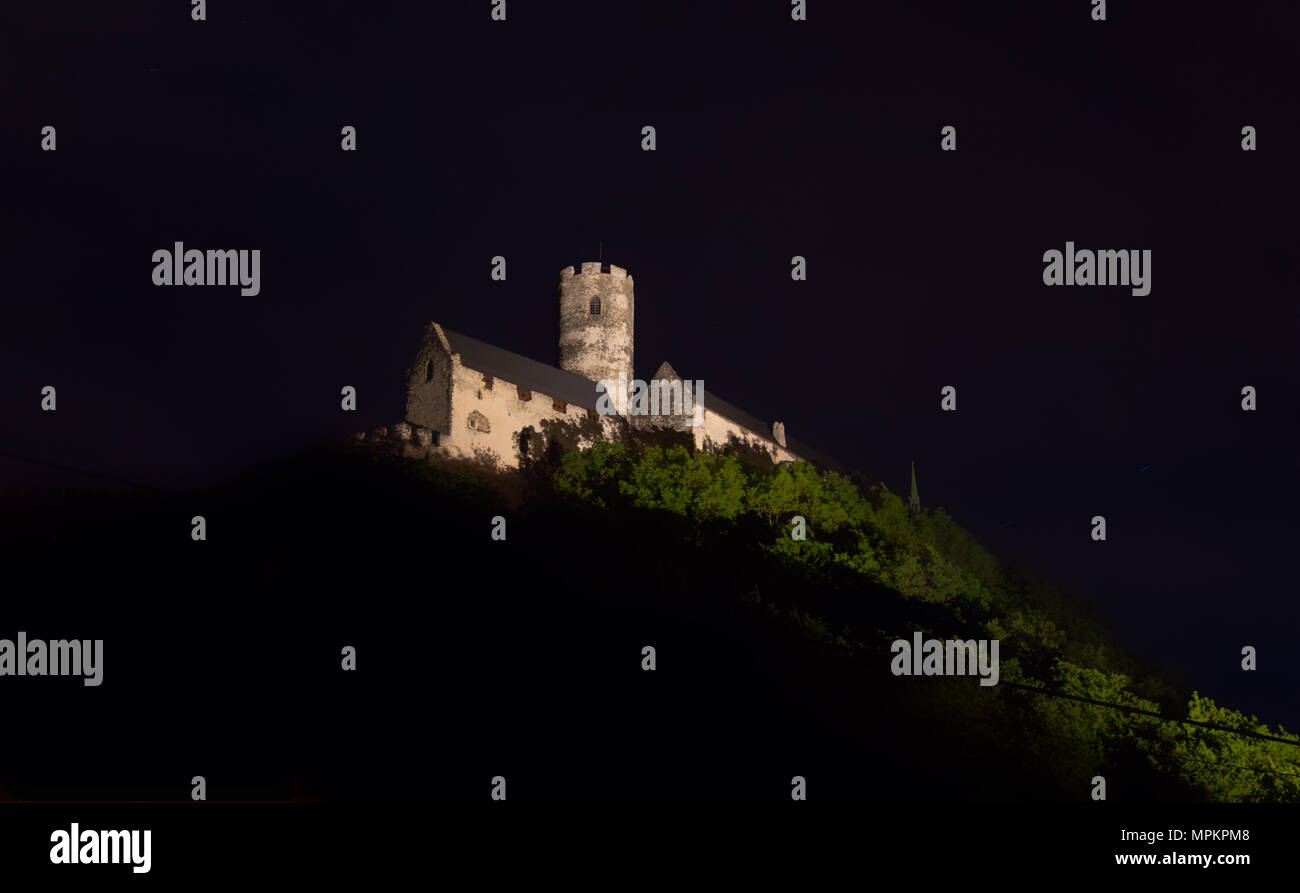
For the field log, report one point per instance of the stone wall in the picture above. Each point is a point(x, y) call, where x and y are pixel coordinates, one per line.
point(428, 388)
point(454, 410)
point(716, 431)
point(596, 347)
point(499, 410)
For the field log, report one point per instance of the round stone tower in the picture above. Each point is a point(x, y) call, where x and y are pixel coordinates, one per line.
point(596, 310)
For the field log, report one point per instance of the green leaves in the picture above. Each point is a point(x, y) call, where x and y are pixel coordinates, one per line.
point(858, 540)
point(700, 486)
point(593, 475)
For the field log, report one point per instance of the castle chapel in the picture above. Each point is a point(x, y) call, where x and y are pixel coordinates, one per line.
point(467, 398)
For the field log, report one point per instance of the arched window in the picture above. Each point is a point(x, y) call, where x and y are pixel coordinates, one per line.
point(428, 371)
point(595, 307)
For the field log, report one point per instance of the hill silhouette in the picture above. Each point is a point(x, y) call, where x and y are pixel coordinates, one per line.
point(522, 657)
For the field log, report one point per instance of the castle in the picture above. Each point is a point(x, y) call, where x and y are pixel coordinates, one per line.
point(466, 398)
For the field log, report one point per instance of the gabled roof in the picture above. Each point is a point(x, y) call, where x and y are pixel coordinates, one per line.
point(714, 404)
point(567, 386)
point(666, 373)
point(581, 391)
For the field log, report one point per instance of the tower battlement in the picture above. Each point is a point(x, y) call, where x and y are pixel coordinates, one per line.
point(590, 267)
point(466, 398)
point(597, 313)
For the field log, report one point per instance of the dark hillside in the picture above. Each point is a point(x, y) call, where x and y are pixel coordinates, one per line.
point(522, 658)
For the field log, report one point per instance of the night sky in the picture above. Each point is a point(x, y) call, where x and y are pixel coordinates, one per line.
point(775, 139)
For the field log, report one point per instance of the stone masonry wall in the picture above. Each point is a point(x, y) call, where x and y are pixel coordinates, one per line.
point(428, 390)
point(596, 347)
point(500, 408)
point(716, 430)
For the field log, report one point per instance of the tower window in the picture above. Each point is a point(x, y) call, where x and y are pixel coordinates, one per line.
point(594, 307)
point(428, 371)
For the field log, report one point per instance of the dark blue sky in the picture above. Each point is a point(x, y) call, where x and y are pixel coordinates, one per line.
point(774, 139)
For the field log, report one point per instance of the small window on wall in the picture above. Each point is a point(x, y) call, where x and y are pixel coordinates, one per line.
point(594, 307)
point(487, 382)
point(560, 406)
point(524, 393)
point(428, 371)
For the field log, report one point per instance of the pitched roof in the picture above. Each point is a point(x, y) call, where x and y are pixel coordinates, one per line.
point(581, 391)
point(666, 373)
point(499, 363)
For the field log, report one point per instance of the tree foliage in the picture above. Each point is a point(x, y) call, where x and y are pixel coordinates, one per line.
point(869, 538)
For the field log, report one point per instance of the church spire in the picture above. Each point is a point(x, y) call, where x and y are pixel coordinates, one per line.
point(914, 501)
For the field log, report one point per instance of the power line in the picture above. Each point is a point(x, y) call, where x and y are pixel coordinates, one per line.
point(1138, 710)
point(10, 454)
point(1126, 708)
point(1222, 764)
